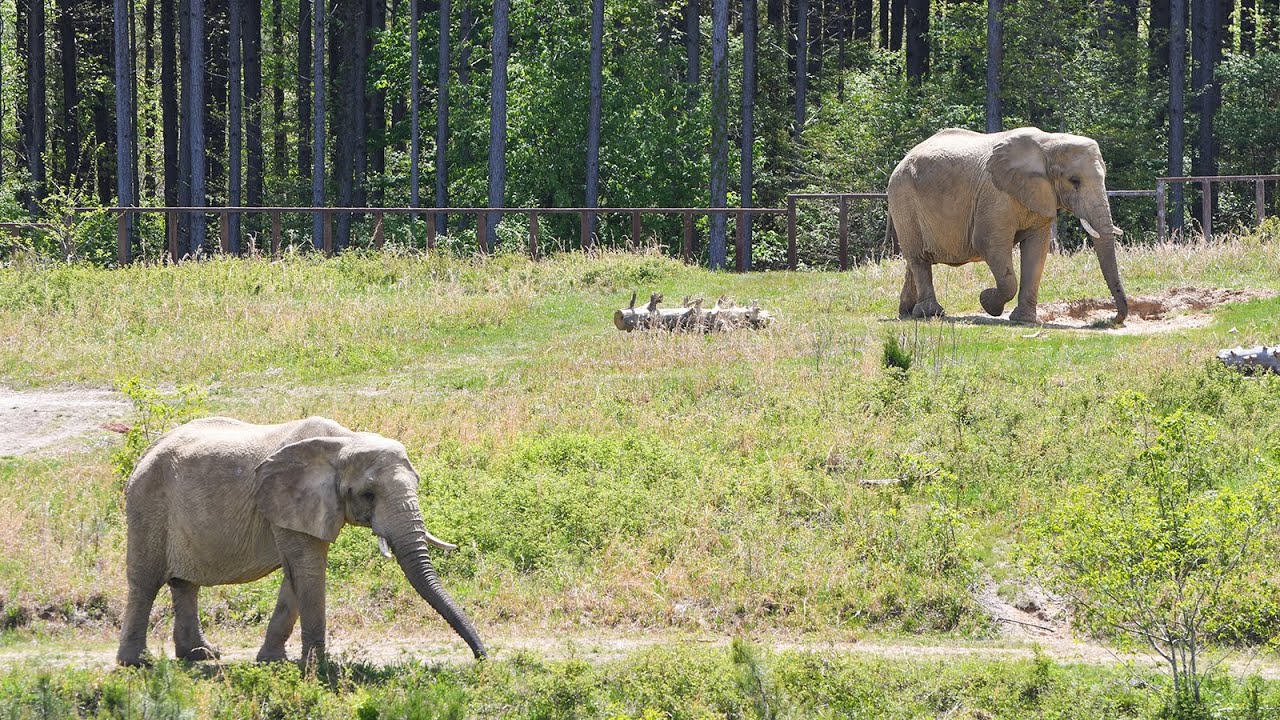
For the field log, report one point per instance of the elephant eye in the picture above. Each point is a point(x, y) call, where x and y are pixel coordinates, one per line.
point(367, 496)
point(1075, 182)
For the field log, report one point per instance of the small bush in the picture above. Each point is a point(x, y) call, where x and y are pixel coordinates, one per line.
point(155, 413)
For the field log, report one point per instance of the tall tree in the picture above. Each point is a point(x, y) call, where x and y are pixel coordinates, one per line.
point(169, 101)
point(750, 30)
point(995, 57)
point(349, 111)
point(1158, 41)
point(897, 13)
point(251, 44)
point(415, 106)
point(376, 109)
point(498, 118)
point(802, 63)
point(235, 116)
point(194, 125)
point(1204, 50)
point(103, 100)
point(442, 119)
point(1177, 107)
point(719, 129)
point(317, 121)
point(216, 77)
point(917, 40)
point(69, 132)
point(280, 133)
point(37, 100)
point(593, 109)
point(306, 111)
point(884, 24)
point(126, 159)
point(22, 9)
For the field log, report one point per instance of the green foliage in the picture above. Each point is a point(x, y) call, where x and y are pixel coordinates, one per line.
point(1152, 552)
point(894, 354)
point(155, 413)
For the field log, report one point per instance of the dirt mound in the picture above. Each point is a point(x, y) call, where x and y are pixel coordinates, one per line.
point(32, 421)
point(1173, 309)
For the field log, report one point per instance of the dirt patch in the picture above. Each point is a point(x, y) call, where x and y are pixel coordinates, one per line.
point(1033, 612)
point(38, 420)
point(1175, 309)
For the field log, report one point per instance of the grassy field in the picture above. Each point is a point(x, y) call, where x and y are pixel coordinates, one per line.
point(603, 482)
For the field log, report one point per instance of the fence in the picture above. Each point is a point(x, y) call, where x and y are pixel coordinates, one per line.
point(742, 250)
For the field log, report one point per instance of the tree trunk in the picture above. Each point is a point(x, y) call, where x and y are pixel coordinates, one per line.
point(306, 113)
point(1177, 110)
point(104, 127)
point(750, 29)
point(1204, 50)
point(862, 20)
point(376, 112)
point(69, 133)
point(317, 121)
point(442, 119)
point(498, 119)
point(194, 98)
point(775, 12)
point(884, 24)
point(897, 12)
point(917, 40)
point(126, 160)
point(802, 64)
point(719, 129)
point(1158, 42)
point(348, 109)
point(37, 102)
point(251, 44)
point(169, 100)
point(995, 57)
point(468, 23)
point(147, 119)
point(692, 36)
point(215, 78)
point(235, 117)
point(593, 110)
point(22, 10)
point(279, 134)
point(415, 103)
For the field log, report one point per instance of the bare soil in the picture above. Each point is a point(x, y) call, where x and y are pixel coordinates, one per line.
point(38, 421)
point(1168, 311)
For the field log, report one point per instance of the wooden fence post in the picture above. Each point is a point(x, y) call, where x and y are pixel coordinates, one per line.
point(431, 231)
point(1260, 200)
point(635, 230)
point(793, 254)
point(586, 231)
point(533, 235)
point(844, 233)
point(687, 251)
point(1206, 209)
point(482, 233)
point(326, 216)
point(379, 235)
point(122, 238)
point(740, 243)
point(171, 217)
point(224, 228)
point(1162, 223)
point(275, 234)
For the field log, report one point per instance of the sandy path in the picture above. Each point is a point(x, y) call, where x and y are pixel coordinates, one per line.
point(31, 421)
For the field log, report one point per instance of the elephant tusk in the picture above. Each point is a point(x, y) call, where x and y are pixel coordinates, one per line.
point(383, 547)
point(1088, 228)
point(438, 542)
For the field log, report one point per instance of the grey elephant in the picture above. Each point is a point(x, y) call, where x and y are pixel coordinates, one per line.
point(961, 197)
point(219, 501)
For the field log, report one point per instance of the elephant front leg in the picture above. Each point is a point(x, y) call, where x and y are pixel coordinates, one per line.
point(281, 625)
point(993, 299)
point(1035, 249)
point(304, 559)
point(188, 639)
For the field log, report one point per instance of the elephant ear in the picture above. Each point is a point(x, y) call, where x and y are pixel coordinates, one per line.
point(296, 487)
point(1020, 168)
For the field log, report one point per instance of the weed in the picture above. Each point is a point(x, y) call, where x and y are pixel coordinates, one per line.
point(155, 413)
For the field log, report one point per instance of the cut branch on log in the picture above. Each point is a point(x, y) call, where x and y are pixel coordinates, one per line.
point(724, 315)
point(1254, 359)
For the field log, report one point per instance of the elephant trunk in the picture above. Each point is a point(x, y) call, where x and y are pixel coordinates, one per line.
point(410, 548)
point(1104, 232)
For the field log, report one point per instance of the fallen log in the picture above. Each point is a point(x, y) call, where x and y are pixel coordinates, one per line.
point(1254, 359)
point(690, 316)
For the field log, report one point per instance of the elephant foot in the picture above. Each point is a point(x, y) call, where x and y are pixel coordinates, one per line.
point(139, 660)
point(927, 309)
point(991, 302)
point(200, 653)
point(271, 655)
point(1023, 315)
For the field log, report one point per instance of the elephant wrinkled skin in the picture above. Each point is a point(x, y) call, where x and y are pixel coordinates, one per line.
point(219, 501)
point(962, 197)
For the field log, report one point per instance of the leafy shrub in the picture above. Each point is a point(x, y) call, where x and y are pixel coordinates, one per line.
point(155, 413)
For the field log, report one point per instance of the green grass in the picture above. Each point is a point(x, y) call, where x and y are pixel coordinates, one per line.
point(602, 480)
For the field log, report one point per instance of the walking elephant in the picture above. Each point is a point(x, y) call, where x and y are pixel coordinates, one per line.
point(219, 501)
point(961, 197)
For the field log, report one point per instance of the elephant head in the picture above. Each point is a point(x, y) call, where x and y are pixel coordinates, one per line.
point(1047, 171)
point(316, 486)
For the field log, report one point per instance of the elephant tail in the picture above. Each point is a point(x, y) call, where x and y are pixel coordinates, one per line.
point(891, 235)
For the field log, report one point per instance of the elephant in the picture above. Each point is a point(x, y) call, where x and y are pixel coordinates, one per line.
point(219, 501)
point(962, 196)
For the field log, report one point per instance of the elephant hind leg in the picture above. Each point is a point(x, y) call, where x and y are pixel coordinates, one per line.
point(188, 640)
point(137, 615)
point(907, 300)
